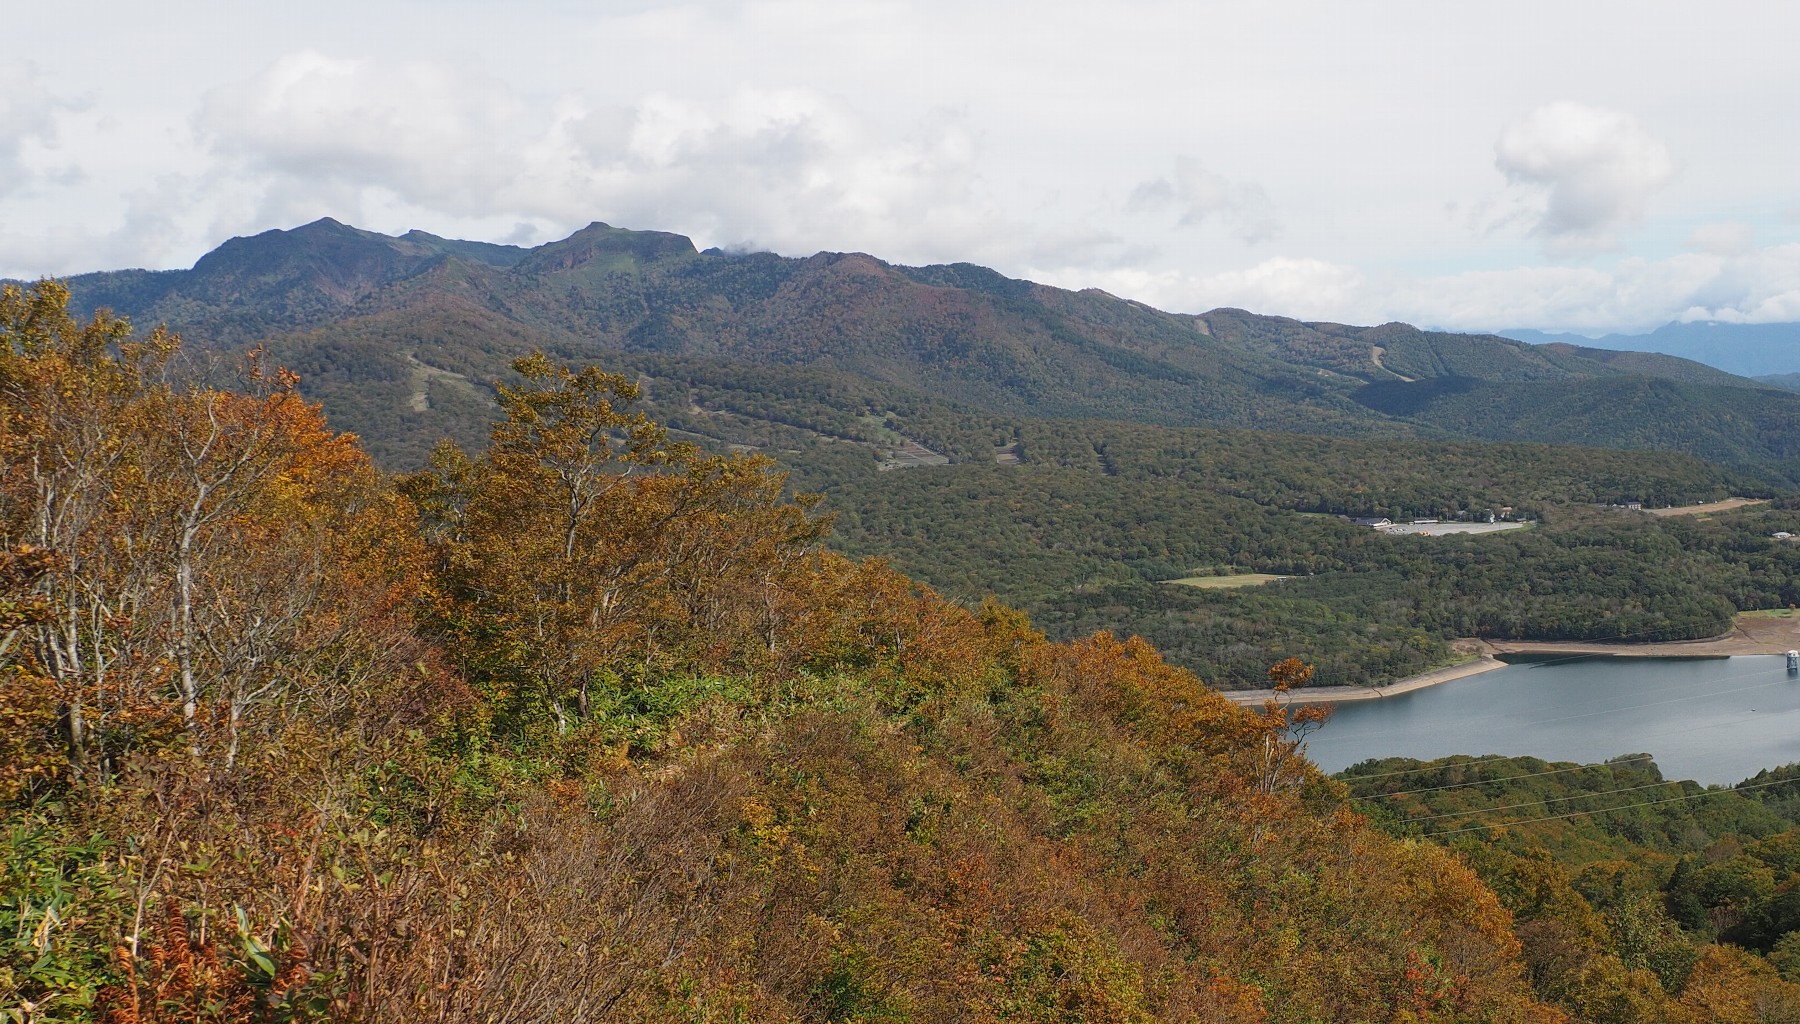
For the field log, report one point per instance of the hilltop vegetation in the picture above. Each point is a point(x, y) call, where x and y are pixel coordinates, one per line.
point(1627, 890)
point(1729, 426)
point(587, 726)
point(590, 725)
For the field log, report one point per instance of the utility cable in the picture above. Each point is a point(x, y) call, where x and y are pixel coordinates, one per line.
point(1685, 687)
point(1686, 729)
point(1509, 778)
point(1534, 803)
point(1622, 807)
point(1430, 768)
point(1671, 700)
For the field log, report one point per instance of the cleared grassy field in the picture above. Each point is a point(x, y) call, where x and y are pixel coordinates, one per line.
point(1717, 506)
point(1248, 579)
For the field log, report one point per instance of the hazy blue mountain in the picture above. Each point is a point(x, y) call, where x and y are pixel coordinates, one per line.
point(1752, 350)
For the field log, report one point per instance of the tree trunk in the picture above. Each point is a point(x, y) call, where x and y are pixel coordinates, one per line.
point(184, 637)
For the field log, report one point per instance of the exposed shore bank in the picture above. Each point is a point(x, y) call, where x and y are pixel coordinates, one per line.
point(1752, 634)
point(1341, 694)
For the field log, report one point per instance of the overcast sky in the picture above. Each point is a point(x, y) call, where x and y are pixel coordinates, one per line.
point(1587, 166)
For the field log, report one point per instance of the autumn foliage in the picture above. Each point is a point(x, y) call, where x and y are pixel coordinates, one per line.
point(586, 726)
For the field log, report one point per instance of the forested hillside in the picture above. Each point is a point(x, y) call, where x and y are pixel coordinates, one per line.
point(1627, 889)
point(590, 725)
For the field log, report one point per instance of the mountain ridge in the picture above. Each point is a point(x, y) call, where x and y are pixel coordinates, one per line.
point(320, 294)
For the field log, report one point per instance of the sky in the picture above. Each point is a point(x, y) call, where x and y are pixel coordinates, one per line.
point(1590, 167)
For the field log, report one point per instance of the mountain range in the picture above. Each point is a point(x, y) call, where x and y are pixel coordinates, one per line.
point(401, 336)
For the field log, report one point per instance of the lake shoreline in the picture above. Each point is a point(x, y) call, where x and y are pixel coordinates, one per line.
point(1750, 634)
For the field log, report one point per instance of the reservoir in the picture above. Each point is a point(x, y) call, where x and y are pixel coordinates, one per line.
point(1713, 720)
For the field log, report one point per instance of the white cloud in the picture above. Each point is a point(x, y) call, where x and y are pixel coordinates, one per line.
point(1590, 173)
point(1306, 289)
point(28, 118)
point(798, 125)
point(1728, 238)
point(1636, 295)
point(1754, 286)
point(1302, 288)
point(1760, 286)
point(1199, 195)
point(312, 125)
point(789, 169)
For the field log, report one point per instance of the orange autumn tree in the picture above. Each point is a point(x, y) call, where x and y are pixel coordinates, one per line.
point(76, 402)
point(935, 812)
point(1285, 726)
point(585, 547)
point(193, 541)
point(205, 639)
point(263, 502)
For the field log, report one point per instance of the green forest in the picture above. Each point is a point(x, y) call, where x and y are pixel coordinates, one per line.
point(1097, 447)
point(401, 337)
point(1087, 539)
point(1626, 889)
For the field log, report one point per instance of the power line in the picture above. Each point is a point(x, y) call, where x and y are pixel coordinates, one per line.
point(1605, 810)
point(1680, 730)
point(1535, 803)
point(1430, 768)
point(1671, 700)
point(1509, 778)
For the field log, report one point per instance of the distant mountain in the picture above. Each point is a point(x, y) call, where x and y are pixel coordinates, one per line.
point(401, 337)
point(1752, 350)
point(1401, 352)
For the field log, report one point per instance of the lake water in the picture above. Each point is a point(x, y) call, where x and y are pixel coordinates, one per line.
point(1713, 720)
